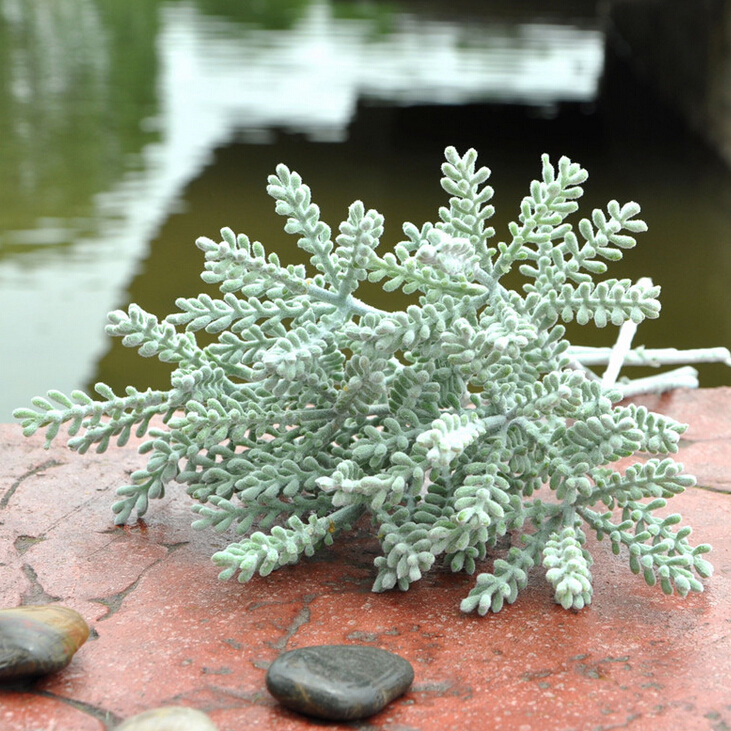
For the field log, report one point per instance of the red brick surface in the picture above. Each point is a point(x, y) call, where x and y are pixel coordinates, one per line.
point(166, 631)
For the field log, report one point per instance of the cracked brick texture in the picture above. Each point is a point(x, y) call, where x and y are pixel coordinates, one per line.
point(166, 631)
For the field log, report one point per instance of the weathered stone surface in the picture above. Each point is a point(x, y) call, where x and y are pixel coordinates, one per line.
point(170, 632)
point(36, 640)
point(338, 682)
point(169, 718)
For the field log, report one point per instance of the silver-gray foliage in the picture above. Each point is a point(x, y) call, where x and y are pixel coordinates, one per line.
point(441, 422)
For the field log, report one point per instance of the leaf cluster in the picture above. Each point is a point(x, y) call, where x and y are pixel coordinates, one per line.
point(456, 425)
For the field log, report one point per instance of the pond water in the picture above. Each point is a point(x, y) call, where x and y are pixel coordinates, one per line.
point(129, 129)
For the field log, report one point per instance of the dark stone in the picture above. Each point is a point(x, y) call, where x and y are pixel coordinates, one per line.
point(35, 640)
point(338, 682)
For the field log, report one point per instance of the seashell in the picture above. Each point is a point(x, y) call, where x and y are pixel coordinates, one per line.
point(36, 640)
point(169, 718)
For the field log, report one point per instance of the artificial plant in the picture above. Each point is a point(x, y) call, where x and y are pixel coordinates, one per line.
point(440, 422)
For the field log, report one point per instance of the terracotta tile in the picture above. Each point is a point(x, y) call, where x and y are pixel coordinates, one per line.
point(165, 630)
point(706, 411)
point(21, 711)
point(706, 442)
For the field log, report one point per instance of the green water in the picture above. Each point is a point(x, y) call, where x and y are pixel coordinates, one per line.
point(103, 189)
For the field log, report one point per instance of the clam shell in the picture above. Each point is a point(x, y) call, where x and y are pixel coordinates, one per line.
point(36, 640)
point(169, 718)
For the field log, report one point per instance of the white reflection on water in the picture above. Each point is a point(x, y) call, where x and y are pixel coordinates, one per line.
point(310, 79)
point(216, 80)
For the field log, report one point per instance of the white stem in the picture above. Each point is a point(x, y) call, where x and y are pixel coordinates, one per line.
point(623, 344)
point(642, 356)
point(619, 353)
point(686, 377)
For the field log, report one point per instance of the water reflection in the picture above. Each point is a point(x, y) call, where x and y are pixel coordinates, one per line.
point(109, 109)
point(120, 122)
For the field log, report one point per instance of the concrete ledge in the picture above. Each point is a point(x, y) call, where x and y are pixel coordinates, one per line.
point(166, 631)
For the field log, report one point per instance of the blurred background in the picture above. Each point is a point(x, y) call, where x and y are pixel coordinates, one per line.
point(128, 129)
